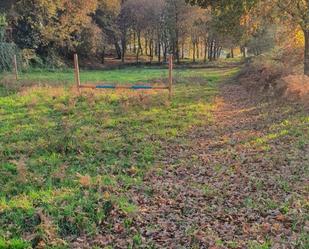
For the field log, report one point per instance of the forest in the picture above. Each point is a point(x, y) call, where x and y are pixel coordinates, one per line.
point(154, 124)
point(49, 32)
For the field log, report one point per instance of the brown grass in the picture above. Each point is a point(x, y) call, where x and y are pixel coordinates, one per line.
point(297, 88)
point(21, 170)
point(48, 232)
point(84, 180)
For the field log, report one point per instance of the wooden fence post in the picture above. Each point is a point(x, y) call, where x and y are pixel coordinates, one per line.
point(76, 69)
point(15, 67)
point(170, 76)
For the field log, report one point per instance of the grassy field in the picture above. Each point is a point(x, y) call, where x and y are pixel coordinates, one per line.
point(126, 75)
point(68, 160)
point(76, 169)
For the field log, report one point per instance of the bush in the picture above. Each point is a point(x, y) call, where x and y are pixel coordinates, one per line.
point(54, 61)
point(278, 74)
point(91, 41)
point(7, 49)
point(262, 73)
point(29, 57)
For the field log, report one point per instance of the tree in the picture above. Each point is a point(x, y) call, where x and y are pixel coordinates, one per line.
point(137, 19)
point(106, 17)
point(45, 25)
point(177, 15)
point(298, 11)
point(91, 42)
point(154, 27)
point(199, 29)
point(262, 40)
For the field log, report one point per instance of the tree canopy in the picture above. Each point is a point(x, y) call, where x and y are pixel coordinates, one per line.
point(195, 29)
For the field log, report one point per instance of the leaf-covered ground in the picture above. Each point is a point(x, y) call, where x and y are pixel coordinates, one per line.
point(239, 181)
point(128, 170)
point(242, 182)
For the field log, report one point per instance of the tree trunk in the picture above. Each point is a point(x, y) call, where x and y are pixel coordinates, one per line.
point(205, 51)
point(232, 52)
point(151, 50)
point(146, 47)
point(219, 52)
point(118, 50)
point(244, 52)
point(182, 50)
point(137, 56)
point(138, 46)
point(210, 51)
point(177, 38)
point(155, 48)
point(134, 42)
point(124, 47)
point(159, 51)
point(173, 48)
point(197, 49)
point(165, 52)
point(176, 48)
point(103, 55)
point(194, 51)
point(306, 63)
point(130, 42)
point(215, 52)
point(139, 43)
point(123, 54)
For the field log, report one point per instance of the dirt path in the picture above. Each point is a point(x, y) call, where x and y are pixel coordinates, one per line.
point(227, 188)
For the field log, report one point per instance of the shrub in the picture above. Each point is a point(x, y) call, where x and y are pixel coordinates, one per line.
point(262, 73)
point(53, 60)
point(91, 41)
point(7, 49)
point(278, 74)
point(29, 57)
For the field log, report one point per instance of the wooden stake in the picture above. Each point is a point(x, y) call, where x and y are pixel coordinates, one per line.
point(170, 76)
point(77, 77)
point(15, 67)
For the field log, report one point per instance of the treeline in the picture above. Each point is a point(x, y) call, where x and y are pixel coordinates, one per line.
point(254, 19)
point(51, 31)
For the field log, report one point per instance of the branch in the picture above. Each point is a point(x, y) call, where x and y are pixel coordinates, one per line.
point(297, 17)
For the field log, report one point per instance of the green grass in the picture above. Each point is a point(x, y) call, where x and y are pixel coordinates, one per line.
point(67, 161)
point(127, 75)
point(256, 245)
